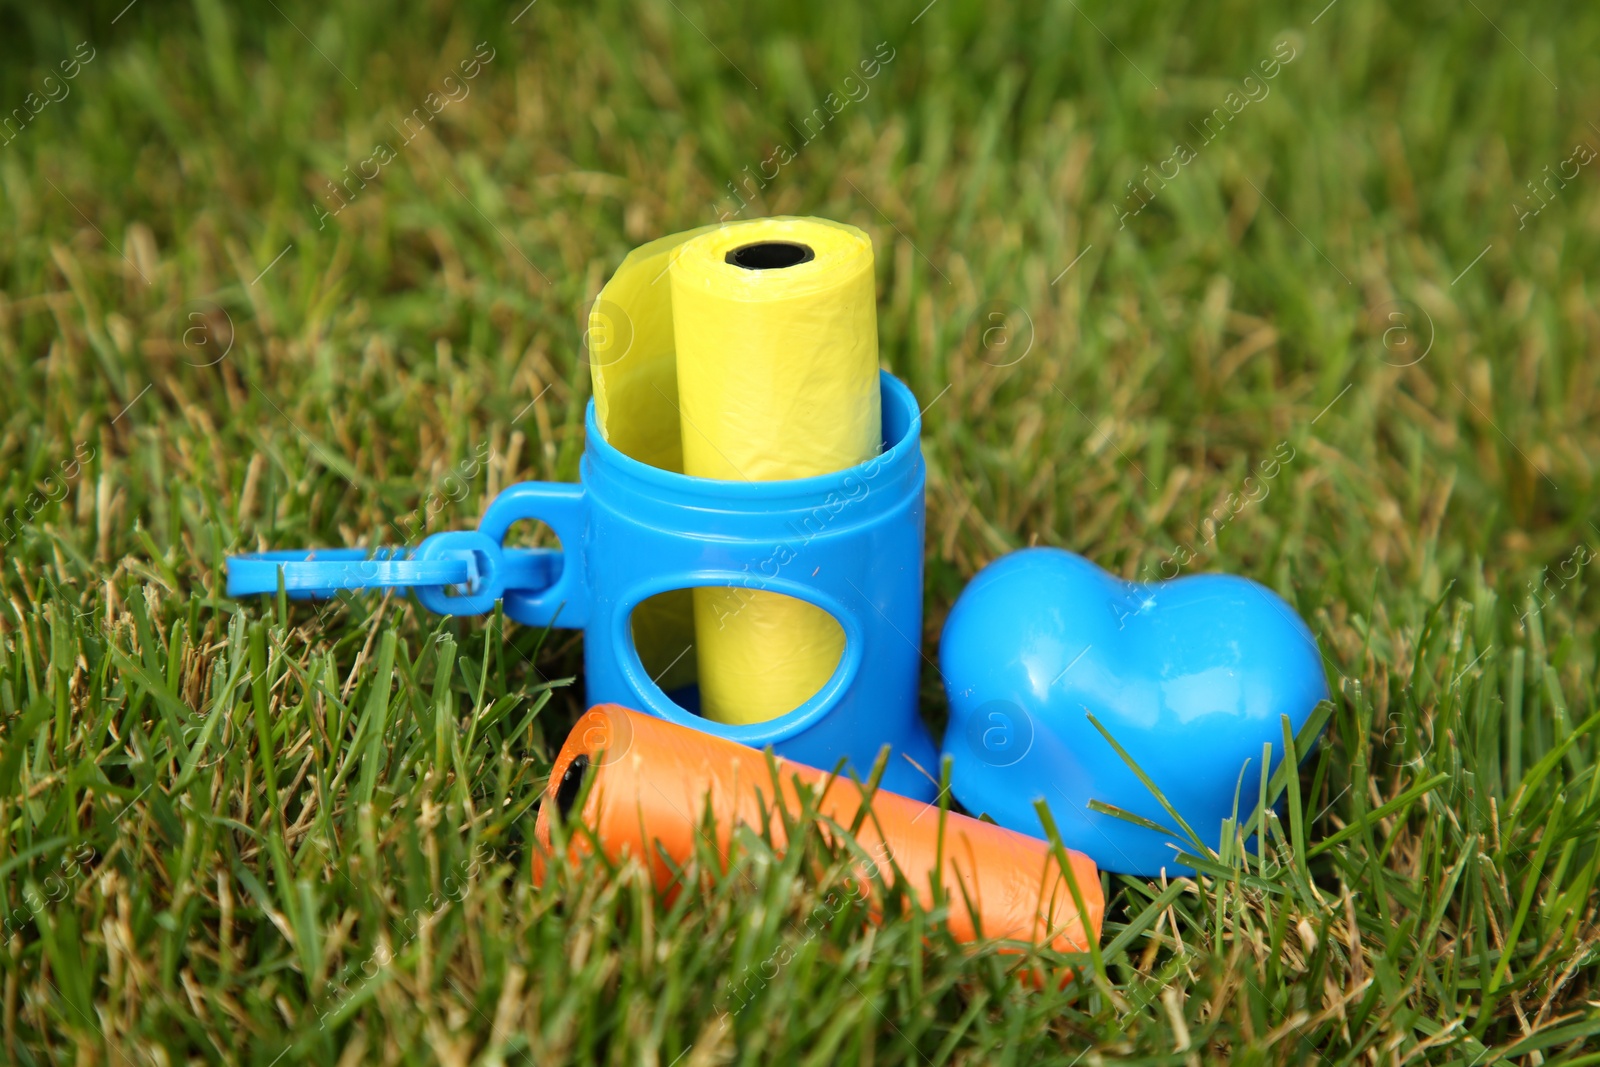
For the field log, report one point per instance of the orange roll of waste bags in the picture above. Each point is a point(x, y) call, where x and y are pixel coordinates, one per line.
point(653, 779)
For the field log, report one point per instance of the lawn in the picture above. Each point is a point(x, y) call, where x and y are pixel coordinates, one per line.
point(317, 273)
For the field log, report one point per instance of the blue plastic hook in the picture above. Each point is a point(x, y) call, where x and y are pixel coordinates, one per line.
point(478, 567)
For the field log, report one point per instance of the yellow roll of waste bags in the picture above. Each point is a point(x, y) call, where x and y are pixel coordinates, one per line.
point(744, 352)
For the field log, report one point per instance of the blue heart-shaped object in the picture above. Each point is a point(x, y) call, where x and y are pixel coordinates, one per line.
point(1190, 676)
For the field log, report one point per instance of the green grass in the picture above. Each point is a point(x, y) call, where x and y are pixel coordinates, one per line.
point(250, 834)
